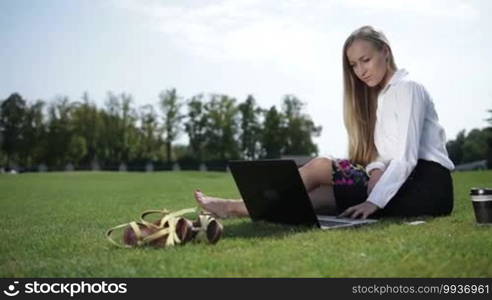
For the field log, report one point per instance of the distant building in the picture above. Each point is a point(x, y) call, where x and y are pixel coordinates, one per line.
point(475, 165)
point(69, 167)
point(149, 167)
point(123, 167)
point(95, 165)
point(42, 168)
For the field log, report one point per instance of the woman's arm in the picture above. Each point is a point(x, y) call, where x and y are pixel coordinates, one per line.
point(404, 148)
point(374, 176)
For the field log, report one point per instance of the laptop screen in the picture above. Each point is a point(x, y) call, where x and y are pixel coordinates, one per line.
point(273, 191)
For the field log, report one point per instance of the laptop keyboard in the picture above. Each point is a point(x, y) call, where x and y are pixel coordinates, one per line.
point(331, 223)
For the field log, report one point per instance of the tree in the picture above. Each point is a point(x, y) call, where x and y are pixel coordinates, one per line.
point(88, 124)
point(475, 145)
point(273, 134)
point(299, 129)
point(150, 134)
point(489, 147)
point(62, 131)
point(59, 131)
point(118, 140)
point(455, 148)
point(221, 132)
point(34, 133)
point(489, 141)
point(196, 125)
point(77, 149)
point(12, 116)
point(128, 132)
point(250, 128)
point(170, 105)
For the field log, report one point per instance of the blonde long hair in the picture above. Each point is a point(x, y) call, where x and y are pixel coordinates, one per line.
point(360, 100)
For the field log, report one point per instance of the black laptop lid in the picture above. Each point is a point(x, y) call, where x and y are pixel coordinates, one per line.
point(273, 191)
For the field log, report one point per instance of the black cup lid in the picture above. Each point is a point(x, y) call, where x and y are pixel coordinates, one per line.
point(480, 191)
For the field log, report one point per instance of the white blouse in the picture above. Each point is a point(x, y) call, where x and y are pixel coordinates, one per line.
point(407, 129)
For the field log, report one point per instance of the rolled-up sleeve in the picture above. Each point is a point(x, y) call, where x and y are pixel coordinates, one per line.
point(377, 164)
point(410, 115)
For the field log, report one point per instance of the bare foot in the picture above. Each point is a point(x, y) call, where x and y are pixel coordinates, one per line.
point(222, 208)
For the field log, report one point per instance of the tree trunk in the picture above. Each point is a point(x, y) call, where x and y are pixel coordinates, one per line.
point(168, 149)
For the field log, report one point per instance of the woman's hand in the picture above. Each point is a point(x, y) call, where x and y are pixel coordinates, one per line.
point(364, 210)
point(373, 179)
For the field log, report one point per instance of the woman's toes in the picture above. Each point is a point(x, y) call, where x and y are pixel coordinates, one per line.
point(198, 195)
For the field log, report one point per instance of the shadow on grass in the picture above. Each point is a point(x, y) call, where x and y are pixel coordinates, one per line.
point(245, 228)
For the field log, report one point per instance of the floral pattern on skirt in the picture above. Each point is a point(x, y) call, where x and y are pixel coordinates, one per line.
point(346, 173)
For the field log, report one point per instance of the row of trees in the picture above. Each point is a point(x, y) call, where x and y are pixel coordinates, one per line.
point(218, 128)
point(474, 146)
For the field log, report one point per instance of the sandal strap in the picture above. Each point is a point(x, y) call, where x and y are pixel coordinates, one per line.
point(170, 231)
point(110, 238)
point(202, 230)
point(171, 218)
point(166, 215)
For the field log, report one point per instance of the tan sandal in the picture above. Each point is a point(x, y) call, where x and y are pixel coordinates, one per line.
point(169, 230)
point(207, 229)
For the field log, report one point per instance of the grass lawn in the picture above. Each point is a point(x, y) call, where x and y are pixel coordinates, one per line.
point(53, 224)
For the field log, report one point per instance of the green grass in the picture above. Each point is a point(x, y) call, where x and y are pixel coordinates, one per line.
point(53, 224)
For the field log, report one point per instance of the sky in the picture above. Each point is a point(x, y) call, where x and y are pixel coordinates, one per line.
point(264, 48)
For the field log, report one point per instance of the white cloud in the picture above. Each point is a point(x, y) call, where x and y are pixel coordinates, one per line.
point(458, 9)
point(274, 32)
point(248, 31)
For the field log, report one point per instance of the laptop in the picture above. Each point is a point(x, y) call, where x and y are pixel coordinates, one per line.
point(273, 191)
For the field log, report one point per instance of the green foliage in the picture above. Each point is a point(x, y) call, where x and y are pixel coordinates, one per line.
point(88, 124)
point(474, 146)
point(80, 133)
point(250, 128)
point(221, 132)
point(33, 134)
point(299, 129)
point(273, 136)
point(73, 210)
point(77, 148)
point(59, 132)
point(150, 142)
point(12, 118)
point(171, 105)
point(118, 138)
point(455, 148)
point(196, 126)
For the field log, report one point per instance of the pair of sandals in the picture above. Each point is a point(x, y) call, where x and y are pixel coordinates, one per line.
point(170, 229)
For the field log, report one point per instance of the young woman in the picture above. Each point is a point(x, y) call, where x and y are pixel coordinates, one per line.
point(398, 165)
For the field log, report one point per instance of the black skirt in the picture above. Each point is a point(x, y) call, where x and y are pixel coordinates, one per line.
point(428, 190)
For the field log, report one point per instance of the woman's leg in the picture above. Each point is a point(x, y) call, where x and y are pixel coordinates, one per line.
point(323, 200)
point(318, 180)
point(315, 174)
point(222, 208)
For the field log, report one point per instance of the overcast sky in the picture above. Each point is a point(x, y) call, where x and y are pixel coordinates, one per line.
point(267, 48)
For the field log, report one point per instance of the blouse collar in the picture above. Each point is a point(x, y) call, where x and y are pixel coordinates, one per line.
point(397, 77)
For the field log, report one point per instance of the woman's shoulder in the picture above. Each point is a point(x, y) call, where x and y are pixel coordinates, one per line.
point(408, 84)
